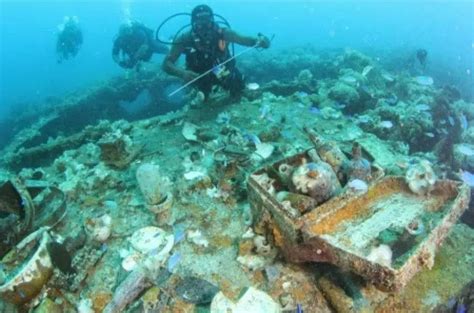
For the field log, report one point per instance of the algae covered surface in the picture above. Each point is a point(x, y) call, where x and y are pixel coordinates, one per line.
point(202, 155)
point(430, 289)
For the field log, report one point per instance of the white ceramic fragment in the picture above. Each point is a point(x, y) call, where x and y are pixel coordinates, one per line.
point(148, 239)
point(264, 151)
point(253, 301)
point(189, 131)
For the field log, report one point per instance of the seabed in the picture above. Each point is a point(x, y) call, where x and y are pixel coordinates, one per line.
point(205, 152)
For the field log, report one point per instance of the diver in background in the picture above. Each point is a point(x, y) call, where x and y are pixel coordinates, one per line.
point(205, 46)
point(416, 63)
point(69, 38)
point(421, 55)
point(135, 43)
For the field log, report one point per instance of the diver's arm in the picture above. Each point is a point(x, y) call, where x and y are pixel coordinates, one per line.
point(232, 36)
point(142, 36)
point(169, 63)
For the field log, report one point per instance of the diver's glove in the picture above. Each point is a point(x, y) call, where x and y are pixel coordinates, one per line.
point(263, 41)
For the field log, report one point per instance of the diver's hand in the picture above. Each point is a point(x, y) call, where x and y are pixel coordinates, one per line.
point(263, 41)
point(188, 76)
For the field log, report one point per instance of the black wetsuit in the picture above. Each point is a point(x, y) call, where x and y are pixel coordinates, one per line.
point(69, 41)
point(203, 57)
point(130, 43)
point(200, 59)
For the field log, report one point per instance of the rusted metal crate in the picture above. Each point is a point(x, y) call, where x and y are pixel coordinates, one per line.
point(345, 229)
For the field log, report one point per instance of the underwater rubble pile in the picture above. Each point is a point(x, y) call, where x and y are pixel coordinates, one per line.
point(319, 191)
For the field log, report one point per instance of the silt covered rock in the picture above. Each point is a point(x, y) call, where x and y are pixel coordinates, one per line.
point(344, 94)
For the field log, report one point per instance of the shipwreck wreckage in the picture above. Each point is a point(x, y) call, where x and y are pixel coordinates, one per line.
point(315, 234)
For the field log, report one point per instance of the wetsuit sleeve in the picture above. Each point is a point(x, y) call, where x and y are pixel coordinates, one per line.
point(232, 36)
point(169, 63)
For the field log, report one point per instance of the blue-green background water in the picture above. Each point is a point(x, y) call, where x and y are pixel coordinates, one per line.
point(29, 72)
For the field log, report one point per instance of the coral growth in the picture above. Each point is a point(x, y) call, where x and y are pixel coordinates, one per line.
point(316, 180)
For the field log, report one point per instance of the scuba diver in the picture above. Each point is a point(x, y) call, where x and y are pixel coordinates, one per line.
point(206, 45)
point(69, 38)
point(421, 55)
point(134, 44)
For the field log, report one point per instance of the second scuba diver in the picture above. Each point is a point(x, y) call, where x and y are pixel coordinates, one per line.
point(69, 39)
point(205, 47)
point(134, 44)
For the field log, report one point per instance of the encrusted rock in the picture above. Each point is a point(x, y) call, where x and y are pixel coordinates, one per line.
point(316, 180)
point(152, 183)
point(196, 290)
point(116, 149)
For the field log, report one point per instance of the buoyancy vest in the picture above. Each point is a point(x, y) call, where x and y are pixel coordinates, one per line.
point(206, 53)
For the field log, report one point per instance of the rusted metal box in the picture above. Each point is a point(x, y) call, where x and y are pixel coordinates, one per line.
point(348, 229)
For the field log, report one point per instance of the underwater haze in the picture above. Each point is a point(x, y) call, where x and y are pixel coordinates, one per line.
point(30, 73)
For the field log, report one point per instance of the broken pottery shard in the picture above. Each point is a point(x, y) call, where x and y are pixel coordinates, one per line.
point(196, 290)
point(252, 301)
point(264, 150)
point(189, 131)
